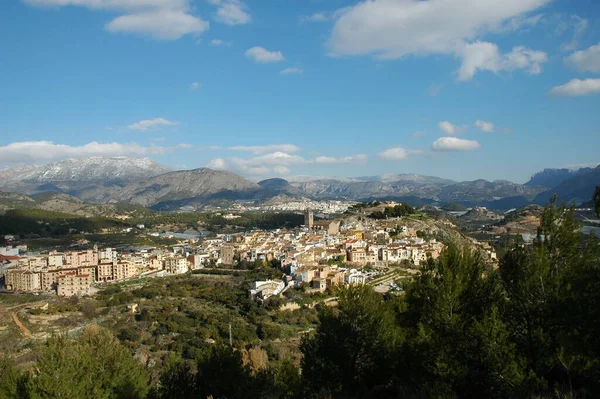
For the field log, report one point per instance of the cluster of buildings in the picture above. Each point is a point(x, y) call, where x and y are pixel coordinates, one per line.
point(320, 254)
point(75, 272)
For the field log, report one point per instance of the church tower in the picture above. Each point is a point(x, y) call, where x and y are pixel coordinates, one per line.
point(308, 218)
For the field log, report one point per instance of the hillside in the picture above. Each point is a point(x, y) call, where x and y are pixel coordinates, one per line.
point(553, 177)
point(579, 188)
point(520, 221)
point(187, 187)
point(480, 191)
point(276, 186)
point(64, 203)
point(94, 179)
point(147, 183)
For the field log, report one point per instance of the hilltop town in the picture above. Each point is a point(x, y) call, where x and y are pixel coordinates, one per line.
point(353, 249)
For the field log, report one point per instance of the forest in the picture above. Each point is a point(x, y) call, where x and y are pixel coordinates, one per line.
point(528, 329)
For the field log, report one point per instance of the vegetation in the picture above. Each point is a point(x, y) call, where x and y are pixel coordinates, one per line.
point(452, 207)
point(48, 223)
point(393, 212)
point(531, 328)
point(363, 205)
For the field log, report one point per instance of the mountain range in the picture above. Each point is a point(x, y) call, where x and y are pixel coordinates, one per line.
point(144, 182)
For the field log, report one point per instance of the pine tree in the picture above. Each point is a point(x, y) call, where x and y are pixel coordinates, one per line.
point(351, 353)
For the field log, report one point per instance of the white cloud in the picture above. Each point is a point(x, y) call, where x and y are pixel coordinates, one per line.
point(263, 164)
point(434, 90)
point(486, 56)
point(316, 17)
point(579, 26)
point(576, 166)
point(419, 133)
point(395, 154)
point(262, 149)
point(521, 23)
point(219, 42)
point(281, 170)
point(585, 60)
point(454, 144)
point(262, 55)
point(577, 87)
point(289, 71)
point(218, 163)
point(215, 147)
point(36, 151)
point(484, 126)
point(231, 12)
point(450, 128)
point(278, 162)
point(398, 154)
point(160, 19)
point(150, 123)
point(391, 29)
point(195, 85)
point(359, 158)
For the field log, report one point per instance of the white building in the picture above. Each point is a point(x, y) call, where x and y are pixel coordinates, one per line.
point(176, 265)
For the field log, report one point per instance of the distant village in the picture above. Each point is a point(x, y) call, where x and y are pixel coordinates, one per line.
point(321, 254)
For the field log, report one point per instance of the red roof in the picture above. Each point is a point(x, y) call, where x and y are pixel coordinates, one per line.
point(3, 258)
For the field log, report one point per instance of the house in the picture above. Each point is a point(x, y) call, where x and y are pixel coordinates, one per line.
point(196, 261)
point(332, 227)
point(262, 290)
point(227, 254)
point(176, 265)
point(23, 280)
point(357, 256)
point(9, 251)
point(8, 262)
point(319, 284)
point(356, 278)
point(71, 284)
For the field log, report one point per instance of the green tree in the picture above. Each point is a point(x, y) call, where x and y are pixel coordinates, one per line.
point(88, 308)
point(278, 381)
point(458, 343)
point(553, 295)
point(222, 374)
point(93, 366)
point(177, 381)
point(11, 380)
point(351, 353)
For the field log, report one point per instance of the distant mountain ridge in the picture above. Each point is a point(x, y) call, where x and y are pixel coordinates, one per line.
point(553, 177)
point(86, 169)
point(187, 187)
point(145, 182)
point(579, 188)
point(93, 179)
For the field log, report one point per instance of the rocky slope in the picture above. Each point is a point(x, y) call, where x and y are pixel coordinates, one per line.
point(276, 187)
point(553, 177)
point(95, 178)
point(579, 188)
point(144, 182)
point(187, 187)
point(58, 202)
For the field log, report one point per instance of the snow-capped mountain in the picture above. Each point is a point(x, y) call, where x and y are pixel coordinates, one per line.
point(122, 169)
point(92, 179)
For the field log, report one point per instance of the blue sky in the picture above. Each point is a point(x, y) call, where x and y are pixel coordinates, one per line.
point(269, 88)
